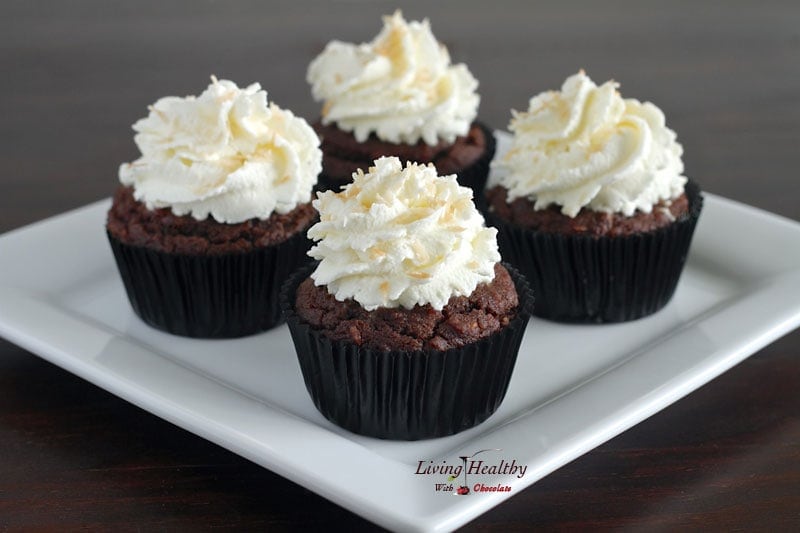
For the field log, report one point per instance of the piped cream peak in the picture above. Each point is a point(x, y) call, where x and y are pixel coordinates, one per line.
point(401, 236)
point(586, 146)
point(400, 87)
point(227, 154)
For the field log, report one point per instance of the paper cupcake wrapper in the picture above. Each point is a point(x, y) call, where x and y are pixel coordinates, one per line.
point(211, 296)
point(600, 279)
point(473, 176)
point(406, 395)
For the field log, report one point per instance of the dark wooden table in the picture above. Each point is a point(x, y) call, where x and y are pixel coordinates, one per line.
point(77, 74)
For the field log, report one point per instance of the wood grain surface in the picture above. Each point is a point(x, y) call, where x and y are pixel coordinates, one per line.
point(76, 75)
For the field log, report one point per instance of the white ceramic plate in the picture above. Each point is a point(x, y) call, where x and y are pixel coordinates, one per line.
point(574, 387)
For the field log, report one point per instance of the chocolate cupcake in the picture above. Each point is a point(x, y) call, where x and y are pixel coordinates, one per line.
point(408, 327)
point(591, 203)
point(398, 96)
point(211, 219)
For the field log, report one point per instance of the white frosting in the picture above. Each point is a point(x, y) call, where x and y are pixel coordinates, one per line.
point(225, 153)
point(586, 146)
point(401, 86)
point(401, 237)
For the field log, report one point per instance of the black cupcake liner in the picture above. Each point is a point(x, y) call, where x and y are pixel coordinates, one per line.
point(210, 296)
point(474, 176)
point(578, 278)
point(406, 395)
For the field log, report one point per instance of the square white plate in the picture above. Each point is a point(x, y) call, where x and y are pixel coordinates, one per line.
point(574, 387)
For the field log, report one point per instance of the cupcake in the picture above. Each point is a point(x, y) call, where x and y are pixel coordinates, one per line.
point(211, 219)
point(408, 327)
point(398, 95)
point(592, 205)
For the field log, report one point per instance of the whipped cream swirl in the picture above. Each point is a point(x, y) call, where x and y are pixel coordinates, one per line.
point(226, 153)
point(401, 237)
point(586, 146)
point(401, 86)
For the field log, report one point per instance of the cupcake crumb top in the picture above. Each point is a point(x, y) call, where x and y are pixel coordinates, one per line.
point(464, 320)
